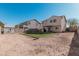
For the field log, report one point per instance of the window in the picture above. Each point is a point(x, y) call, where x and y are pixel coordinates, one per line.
point(25, 27)
point(50, 21)
point(27, 23)
point(56, 28)
point(54, 20)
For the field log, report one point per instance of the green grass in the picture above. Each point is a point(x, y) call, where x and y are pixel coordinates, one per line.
point(39, 35)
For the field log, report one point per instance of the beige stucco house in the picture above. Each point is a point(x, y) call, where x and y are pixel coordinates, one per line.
point(54, 24)
point(31, 24)
point(9, 30)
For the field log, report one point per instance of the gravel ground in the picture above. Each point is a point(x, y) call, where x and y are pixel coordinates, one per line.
point(20, 45)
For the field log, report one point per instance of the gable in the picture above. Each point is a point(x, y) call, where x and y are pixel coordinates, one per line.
point(54, 17)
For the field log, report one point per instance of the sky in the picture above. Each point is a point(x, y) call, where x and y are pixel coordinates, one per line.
point(14, 13)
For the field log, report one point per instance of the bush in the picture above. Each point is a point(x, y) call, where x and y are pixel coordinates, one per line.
point(34, 31)
point(71, 29)
point(67, 30)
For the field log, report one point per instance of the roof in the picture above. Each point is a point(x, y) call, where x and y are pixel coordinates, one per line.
point(29, 21)
point(54, 16)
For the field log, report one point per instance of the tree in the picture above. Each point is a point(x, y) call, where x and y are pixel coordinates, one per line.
point(1, 24)
point(73, 23)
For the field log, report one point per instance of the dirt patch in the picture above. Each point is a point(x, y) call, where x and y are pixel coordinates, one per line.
point(56, 45)
point(20, 45)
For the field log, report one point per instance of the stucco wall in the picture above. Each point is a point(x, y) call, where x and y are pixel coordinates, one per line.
point(60, 23)
point(48, 23)
point(63, 24)
point(34, 25)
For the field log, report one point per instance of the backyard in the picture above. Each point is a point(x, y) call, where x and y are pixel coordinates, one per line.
point(54, 44)
point(40, 35)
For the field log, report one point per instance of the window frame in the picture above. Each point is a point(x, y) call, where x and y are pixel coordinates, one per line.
point(54, 20)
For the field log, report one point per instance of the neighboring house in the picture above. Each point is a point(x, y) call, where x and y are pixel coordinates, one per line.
point(31, 24)
point(9, 29)
point(54, 24)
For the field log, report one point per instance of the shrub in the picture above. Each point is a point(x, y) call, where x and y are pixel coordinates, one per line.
point(33, 31)
point(67, 30)
point(71, 29)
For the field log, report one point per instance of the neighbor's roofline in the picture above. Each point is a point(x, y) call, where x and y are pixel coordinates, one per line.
point(29, 21)
point(54, 16)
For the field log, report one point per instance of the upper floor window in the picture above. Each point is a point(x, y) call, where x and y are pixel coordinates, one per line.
point(54, 20)
point(28, 23)
point(50, 21)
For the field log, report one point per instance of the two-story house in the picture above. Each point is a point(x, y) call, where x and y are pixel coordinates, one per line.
point(54, 24)
point(31, 24)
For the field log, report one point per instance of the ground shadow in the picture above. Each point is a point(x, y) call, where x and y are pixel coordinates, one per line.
point(74, 47)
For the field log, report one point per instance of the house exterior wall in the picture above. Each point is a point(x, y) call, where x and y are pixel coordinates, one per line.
point(50, 21)
point(63, 24)
point(52, 29)
point(57, 23)
point(56, 29)
point(32, 24)
point(9, 30)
